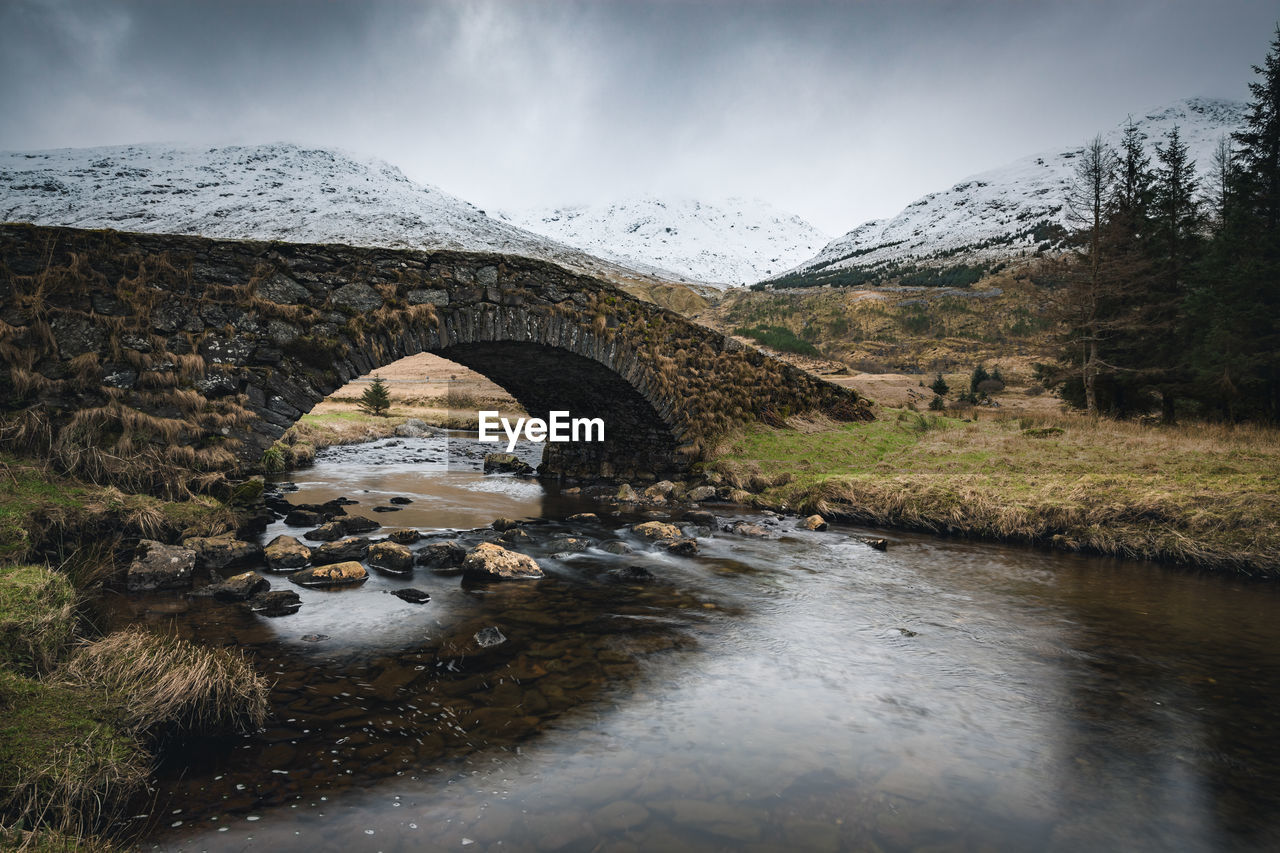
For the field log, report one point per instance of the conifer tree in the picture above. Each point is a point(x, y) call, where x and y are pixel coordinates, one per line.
point(376, 400)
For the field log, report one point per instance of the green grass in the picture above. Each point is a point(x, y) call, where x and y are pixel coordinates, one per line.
point(63, 762)
point(777, 337)
point(41, 511)
point(37, 618)
point(1202, 495)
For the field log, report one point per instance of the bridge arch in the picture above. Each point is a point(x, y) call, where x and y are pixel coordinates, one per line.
point(198, 354)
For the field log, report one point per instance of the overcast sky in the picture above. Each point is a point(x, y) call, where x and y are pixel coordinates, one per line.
point(839, 112)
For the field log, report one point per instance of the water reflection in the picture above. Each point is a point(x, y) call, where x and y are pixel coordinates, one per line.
point(802, 693)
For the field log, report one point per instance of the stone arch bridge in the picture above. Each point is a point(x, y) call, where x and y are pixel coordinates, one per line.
point(182, 357)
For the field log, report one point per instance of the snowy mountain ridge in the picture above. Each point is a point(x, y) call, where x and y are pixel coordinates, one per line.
point(265, 192)
point(996, 214)
point(733, 241)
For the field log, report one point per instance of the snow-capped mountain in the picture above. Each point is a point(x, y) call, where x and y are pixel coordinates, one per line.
point(735, 241)
point(265, 192)
point(996, 214)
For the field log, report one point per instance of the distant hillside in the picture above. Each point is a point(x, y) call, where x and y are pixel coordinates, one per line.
point(953, 236)
point(734, 241)
point(267, 192)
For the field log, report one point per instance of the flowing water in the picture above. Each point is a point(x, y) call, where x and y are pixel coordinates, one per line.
point(803, 692)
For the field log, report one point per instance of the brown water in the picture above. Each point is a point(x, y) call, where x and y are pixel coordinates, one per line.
point(801, 693)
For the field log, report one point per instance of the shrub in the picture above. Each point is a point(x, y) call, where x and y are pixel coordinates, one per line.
point(978, 376)
point(940, 386)
point(937, 404)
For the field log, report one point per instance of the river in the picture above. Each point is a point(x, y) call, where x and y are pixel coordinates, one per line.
point(804, 692)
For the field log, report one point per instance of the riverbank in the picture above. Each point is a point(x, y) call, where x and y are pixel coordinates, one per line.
point(82, 711)
point(1198, 495)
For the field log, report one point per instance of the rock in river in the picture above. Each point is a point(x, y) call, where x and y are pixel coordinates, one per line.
point(443, 557)
point(411, 595)
point(505, 463)
point(280, 602)
point(284, 553)
point(236, 588)
point(351, 548)
point(487, 561)
point(656, 530)
point(326, 532)
point(815, 522)
point(390, 557)
point(336, 574)
point(219, 552)
point(160, 566)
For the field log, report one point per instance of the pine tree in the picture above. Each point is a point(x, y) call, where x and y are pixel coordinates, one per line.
point(940, 386)
point(376, 400)
point(1091, 289)
point(1235, 303)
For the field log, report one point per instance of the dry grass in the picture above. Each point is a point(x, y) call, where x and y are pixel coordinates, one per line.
point(1201, 494)
point(166, 681)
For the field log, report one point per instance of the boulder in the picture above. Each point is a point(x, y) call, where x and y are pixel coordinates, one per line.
point(335, 574)
point(414, 428)
point(746, 528)
point(387, 509)
point(160, 566)
point(390, 557)
point(275, 603)
point(443, 557)
point(350, 548)
point(505, 463)
point(660, 492)
point(488, 561)
point(400, 500)
point(656, 530)
point(815, 522)
point(504, 524)
point(584, 517)
point(359, 524)
point(219, 552)
point(616, 546)
point(701, 493)
point(684, 547)
point(572, 544)
point(236, 588)
point(303, 518)
point(404, 536)
point(413, 596)
point(626, 494)
point(629, 574)
point(698, 516)
point(284, 553)
point(516, 534)
point(326, 532)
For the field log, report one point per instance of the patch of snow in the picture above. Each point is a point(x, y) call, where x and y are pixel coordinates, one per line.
point(734, 241)
point(264, 192)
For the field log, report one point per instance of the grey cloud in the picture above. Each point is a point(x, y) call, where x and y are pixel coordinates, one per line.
point(837, 111)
